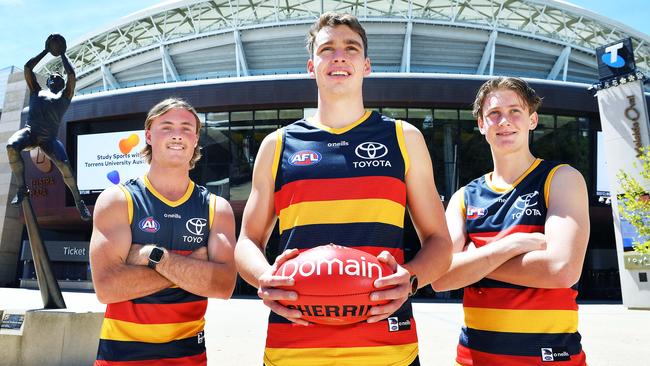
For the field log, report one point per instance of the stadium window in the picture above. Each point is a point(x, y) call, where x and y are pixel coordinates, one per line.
point(288, 116)
point(213, 168)
point(242, 142)
point(397, 113)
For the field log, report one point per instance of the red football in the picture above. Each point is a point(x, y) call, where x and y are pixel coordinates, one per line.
point(333, 284)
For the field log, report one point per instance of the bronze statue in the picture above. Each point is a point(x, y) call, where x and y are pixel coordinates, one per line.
point(46, 110)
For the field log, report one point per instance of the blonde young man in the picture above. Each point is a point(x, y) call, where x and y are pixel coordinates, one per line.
point(520, 234)
point(344, 177)
point(161, 245)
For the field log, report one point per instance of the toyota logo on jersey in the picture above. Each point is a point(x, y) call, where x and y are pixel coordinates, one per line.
point(305, 157)
point(195, 225)
point(371, 150)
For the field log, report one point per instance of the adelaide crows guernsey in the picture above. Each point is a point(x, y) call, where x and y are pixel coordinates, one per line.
point(506, 324)
point(343, 186)
point(164, 328)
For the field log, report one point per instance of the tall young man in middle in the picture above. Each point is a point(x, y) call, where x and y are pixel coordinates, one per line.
point(344, 177)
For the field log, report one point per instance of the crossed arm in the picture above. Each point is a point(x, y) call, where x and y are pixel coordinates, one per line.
point(120, 269)
point(550, 260)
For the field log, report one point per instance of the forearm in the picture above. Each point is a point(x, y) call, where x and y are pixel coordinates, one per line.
point(251, 262)
point(538, 269)
point(35, 60)
point(470, 266)
point(126, 282)
point(431, 261)
point(198, 276)
point(69, 70)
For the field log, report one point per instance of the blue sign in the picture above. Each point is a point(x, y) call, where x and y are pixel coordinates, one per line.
point(615, 59)
point(629, 235)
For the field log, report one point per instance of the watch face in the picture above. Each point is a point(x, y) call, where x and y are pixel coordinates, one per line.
point(156, 254)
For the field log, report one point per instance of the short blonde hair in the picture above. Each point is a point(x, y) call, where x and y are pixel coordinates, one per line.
point(517, 85)
point(162, 108)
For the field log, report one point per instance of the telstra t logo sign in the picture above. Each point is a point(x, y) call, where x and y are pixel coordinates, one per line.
point(611, 57)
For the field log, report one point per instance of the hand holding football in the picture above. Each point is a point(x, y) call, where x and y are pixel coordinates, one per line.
point(55, 44)
point(334, 284)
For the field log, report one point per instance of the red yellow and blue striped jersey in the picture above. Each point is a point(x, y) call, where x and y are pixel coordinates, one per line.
point(166, 327)
point(506, 324)
point(343, 186)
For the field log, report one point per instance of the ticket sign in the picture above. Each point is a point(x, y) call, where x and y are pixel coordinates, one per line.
point(615, 59)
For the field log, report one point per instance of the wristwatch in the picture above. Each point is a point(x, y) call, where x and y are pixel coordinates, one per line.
point(155, 256)
point(414, 285)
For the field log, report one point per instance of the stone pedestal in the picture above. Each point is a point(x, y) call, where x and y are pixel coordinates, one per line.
point(50, 337)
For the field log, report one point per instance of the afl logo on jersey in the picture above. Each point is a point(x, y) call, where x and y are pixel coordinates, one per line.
point(149, 225)
point(474, 213)
point(305, 157)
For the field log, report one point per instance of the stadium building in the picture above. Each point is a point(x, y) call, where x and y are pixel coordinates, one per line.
point(243, 66)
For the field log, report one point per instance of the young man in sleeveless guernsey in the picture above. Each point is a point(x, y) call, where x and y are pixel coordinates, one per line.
point(161, 245)
point(344, 176)
point(520, 234)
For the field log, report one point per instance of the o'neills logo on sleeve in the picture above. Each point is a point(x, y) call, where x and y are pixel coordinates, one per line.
point(335, 266)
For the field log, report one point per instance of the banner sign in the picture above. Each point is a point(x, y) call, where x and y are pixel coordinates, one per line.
point(105, 159)
point(624, 118)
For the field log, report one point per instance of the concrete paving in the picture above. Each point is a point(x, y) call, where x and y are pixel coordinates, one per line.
point(235, 329)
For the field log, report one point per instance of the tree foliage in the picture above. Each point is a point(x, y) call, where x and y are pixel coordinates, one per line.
point(634, 202)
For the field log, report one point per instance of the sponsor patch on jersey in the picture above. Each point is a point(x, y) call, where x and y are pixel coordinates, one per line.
point(371, 150)
point(371, 153)
point(305, 157)
point(196, 225)
point(474, 213)
point(149, 225)
point(395, 324)
point(553, 354)
point(526, 204)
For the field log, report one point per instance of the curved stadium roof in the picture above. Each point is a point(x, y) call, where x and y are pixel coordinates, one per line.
point(187, 40)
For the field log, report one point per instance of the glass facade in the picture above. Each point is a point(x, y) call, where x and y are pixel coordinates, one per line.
point(459, 153)
point(230, 141)
point(229, 144)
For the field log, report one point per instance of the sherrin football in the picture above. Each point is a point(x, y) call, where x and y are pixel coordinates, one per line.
point(333, 284)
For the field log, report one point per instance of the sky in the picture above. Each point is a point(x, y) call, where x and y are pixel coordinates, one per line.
point(25, 24)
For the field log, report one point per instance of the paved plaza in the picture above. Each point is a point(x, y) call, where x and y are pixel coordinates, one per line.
point(235, 329)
